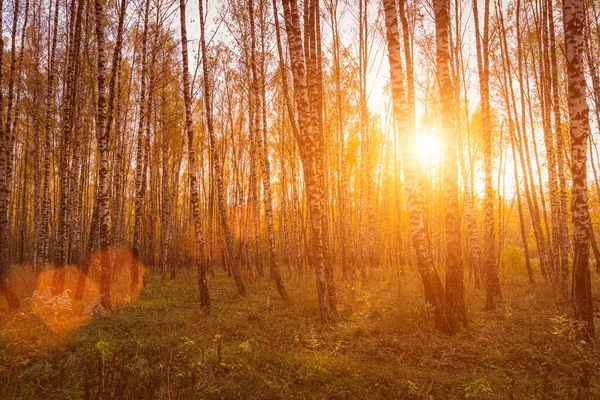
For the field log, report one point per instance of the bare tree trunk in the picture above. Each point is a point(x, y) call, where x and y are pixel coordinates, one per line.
point(454, 263)
point(413, 177)
point(102, 139)
point(314, 71)
point(296, 134)
point(193, 180)
point(545, 84)
point(5, 283)
point(524, 156)
point(10, 102)
point(482, 45)
point(508, 93)
point(309, 151)
point(140, 149)
point(364, 173)
point(573, 19)
point(563, 240)
point(263, 155)
point(45, 226)
point(229, 245)
point(69, 116)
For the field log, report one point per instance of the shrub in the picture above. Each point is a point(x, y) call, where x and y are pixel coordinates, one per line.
point(513, 258)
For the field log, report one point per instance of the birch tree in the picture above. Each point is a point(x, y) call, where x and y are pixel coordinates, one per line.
point(573, 18)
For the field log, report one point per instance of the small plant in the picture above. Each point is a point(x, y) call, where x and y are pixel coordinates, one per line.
point(217, 339)
point(103, 349)
point(565, 327)
point(412, 388)
point(479, 389)
point(194, 366)
point(95, 307)
point(45, 302)
point(139, 365)
point(313, 341)
point(245, 346)
point(186, 342)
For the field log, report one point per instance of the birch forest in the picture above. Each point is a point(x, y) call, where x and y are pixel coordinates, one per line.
point(299, 199)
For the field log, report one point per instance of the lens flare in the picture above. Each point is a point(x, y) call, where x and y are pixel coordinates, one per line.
point(67, 298)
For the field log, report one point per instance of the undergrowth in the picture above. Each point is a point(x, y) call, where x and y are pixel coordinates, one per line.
point(383, 345)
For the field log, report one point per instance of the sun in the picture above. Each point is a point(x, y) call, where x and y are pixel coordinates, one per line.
point(428, 148)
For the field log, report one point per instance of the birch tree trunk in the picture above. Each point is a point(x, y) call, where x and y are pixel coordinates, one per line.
point(549, 142)
point(295, 132)
point(264, 158)
point(102, 139)
point(140, 149)
point(413, 178)
point(563, 239)
point(45, 224)
point(191, 156)
point(218, 168)
point(68, 119)
point(525, 159)
point(490, 266)
point(5, 282)
point(454, 263)
point(573, 18)
point(309, 152)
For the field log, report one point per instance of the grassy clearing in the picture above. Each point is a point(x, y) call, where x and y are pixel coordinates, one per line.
point(384, 346)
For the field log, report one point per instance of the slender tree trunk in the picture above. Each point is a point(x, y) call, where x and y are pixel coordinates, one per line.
point(296, 216)
point(10, 123)
point(45, 225)
point(140, 150)
point(454, 264)
point(563, 240)
point(296, 134)
point(413, 178)
point(102, 139)
point(5, 283)
point(550, 146)
point(508, 93)
point(229, 245)
point(364, 173)
point(314, 71)
point(166, 205)
point(68, 122)
point(573, 18)
point(482, 46)
point(524, 156)
point(193, 180)
point(263, 157)
point(309, 151)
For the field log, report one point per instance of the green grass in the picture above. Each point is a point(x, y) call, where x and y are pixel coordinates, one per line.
point(383, 346)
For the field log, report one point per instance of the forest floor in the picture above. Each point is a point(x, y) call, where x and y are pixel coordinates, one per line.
point(383, 346)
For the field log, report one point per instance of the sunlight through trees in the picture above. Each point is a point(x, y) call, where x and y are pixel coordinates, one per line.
point(257, 140)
